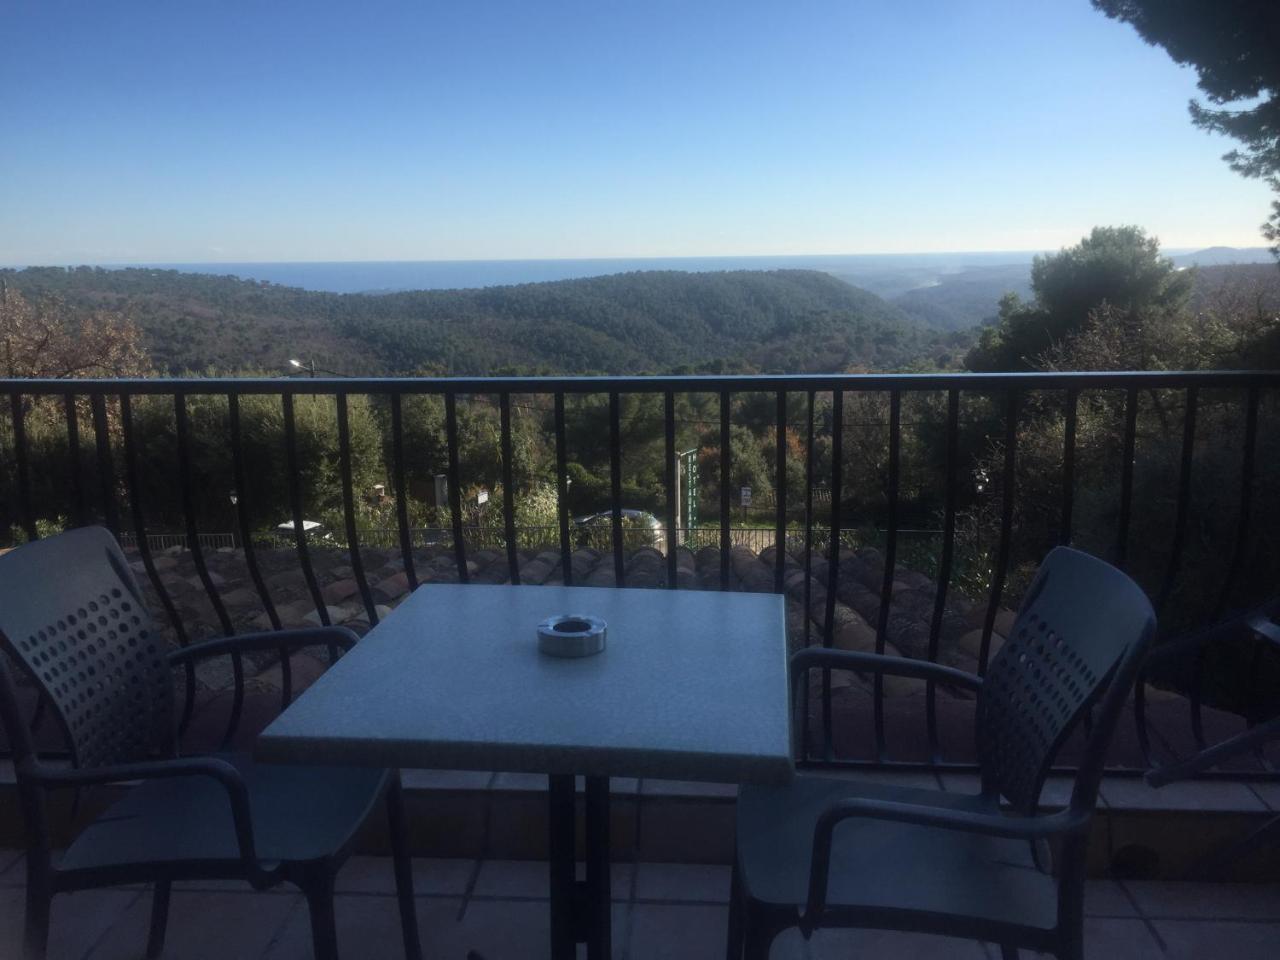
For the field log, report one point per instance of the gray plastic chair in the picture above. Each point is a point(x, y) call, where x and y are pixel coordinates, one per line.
point(72, 618)
point(1258, 625)
point(823, 851)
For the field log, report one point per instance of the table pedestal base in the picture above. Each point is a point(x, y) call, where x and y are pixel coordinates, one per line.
point(580, 909)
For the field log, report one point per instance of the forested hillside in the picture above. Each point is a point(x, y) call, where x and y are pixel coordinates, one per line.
point(645, 322)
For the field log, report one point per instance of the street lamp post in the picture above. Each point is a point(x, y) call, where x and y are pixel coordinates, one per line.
point(310, 369)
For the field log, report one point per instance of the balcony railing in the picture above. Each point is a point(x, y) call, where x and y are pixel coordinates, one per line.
point(924, 494)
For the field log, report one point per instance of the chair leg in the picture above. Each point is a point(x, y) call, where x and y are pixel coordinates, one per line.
point(159, 919)
point(404, 869)
point(761, 931)
point(736, 930)
point(324, 930)
point(35, 940)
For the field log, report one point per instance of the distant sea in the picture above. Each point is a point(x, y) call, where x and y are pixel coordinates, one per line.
point(885, 274)
point(385, 276)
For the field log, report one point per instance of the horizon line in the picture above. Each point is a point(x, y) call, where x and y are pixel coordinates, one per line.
point(714, 256)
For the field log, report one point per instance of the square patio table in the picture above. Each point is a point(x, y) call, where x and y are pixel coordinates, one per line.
point(691, 685)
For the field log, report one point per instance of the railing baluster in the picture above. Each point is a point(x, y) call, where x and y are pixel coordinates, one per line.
point(833, 561)
point(944, 566)
point(1184, 498)
point(202, 570)
point(76, 467)
point(144, 551)
point(349, 507)
point(1072, 412)
point(670, 473)
point(808, 579)
point(890, 561)
point(1246, 502)
point(726, 464)
point(455, 484)
point(246, 541)
point(295, 509)
point(139, 518)
point(106, 474)
point(182, 429)
point(1000, 571)
point(508, 487)
point(24, 472)
point(562, 491)
point(780, 495)
point(615, 485)
point(402, 493)
point(80, 494)
point(1126, 476)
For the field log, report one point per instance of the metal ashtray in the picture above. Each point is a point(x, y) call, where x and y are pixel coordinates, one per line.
point(571, 635)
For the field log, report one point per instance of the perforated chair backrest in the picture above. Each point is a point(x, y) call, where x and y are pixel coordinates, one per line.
point(1081, 620)
point(72, 615)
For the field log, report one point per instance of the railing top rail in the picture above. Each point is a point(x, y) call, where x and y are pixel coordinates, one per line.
point(854, 382)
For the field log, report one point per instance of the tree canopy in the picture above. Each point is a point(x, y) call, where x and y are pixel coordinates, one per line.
point(46, 339)
point(1119, 267)
point(1232, 44)
point(652, 321)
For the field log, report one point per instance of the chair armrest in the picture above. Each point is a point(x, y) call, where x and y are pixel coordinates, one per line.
point(267, 640)
point(1265, 627)
point(220, 770)
point(812, 658)
point(1258, 620)
point(1212, 756)
point(1063, 823)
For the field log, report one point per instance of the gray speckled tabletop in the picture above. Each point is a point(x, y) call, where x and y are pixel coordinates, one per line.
point(692, 685)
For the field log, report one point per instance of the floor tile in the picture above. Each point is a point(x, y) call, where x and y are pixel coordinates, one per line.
point(78, 921)
point(966, 783)
point(1132, 794)
point(537, 782)
point(1208, 901)
point(508, 919)
point(1055, 794)
point(1197, 940)
point(690, 882)
point(532, 879)
point(650, 787)
point(1106, 898)
point(12, 872)
point(666, 932)
point(446, 779)
point(229, 886)
point(685, 830)
point(499, 929)
point(842, 944)
point(1108, 938)
point(203, 926)
point(369, 926)
point(1269, 792)
point(914, 779)
point(434, 876)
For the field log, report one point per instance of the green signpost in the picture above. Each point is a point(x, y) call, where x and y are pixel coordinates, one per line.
point(689, 508)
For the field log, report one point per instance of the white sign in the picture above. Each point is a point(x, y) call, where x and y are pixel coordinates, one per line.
point(482, 497)
point(746, 496)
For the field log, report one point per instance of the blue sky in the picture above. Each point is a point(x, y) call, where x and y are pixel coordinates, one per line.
point(316, 130)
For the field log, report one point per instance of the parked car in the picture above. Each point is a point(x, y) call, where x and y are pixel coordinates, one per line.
point(639, 529)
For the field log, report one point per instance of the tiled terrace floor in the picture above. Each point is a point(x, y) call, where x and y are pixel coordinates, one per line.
point(661, 912)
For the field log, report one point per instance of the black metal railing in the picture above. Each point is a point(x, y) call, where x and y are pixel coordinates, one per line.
point(847, 537)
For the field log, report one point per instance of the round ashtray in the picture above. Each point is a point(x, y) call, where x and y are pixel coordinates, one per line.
point(571, 635)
